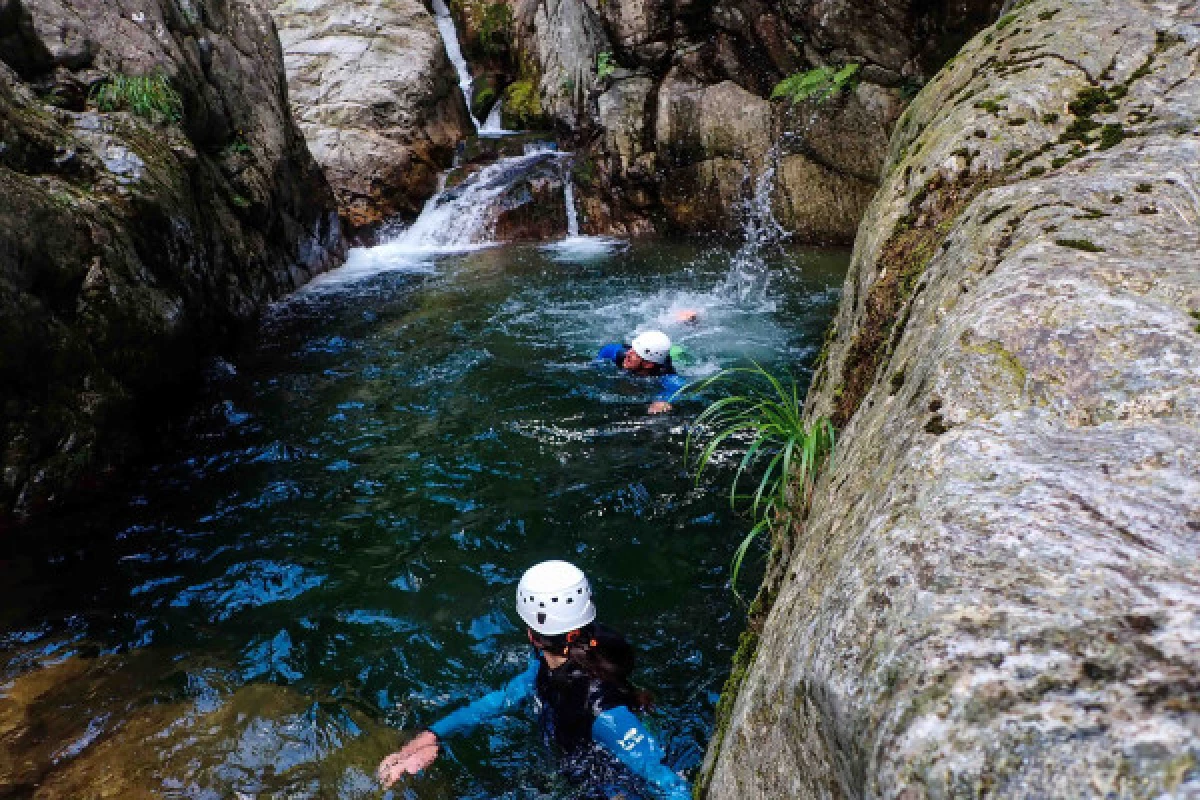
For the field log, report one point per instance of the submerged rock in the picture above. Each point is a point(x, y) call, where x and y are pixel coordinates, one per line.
point(154, 196)
point(995, 590)
point(377, 99)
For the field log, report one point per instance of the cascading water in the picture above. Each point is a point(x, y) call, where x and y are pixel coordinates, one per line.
point(494, 124)
point(749, 276)
point(569, 199)
point(445, 24)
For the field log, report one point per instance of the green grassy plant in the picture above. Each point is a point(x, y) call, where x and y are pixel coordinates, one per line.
point(148, 96)
point(818, 84)
point(606, 65)
point(769, 413)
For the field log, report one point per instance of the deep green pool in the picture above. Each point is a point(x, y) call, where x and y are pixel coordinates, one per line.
point(330, 552)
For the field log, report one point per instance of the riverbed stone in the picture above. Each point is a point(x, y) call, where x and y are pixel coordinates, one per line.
point(377, 99)
point(132, 245)
point(994, 591)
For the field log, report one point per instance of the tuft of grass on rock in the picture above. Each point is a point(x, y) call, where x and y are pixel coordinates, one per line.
point(1080, 244)
point(769, 412)
point(148, 96)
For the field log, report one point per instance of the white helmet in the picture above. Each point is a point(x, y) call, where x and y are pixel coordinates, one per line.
point(554, 597)
point(652, 346)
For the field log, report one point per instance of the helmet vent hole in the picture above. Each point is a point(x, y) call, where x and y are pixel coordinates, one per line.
point(553, 599)
point(570, 599)
point(541, 619)
point(541, 605)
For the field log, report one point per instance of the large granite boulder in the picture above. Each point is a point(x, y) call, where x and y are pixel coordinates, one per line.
point(995, 591)
point(136, 238)
point(377, 99)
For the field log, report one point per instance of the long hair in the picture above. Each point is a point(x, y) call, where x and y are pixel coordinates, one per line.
point(604, 654)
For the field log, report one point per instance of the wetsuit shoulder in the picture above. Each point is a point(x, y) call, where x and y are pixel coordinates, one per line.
point(672, 383)
point(611, 352)
point(619, 731)
point(491, 704)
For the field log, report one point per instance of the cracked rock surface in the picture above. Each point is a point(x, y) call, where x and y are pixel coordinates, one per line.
point(996, 590)
point(133, 245)
point(377, 99)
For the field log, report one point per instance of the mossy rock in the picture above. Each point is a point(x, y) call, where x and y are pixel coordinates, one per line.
point(523, 107)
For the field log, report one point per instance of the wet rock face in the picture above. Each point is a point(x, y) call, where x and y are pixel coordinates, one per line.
point(376, 98)
point(131, 243)
point(672, 100)
point(995, 591)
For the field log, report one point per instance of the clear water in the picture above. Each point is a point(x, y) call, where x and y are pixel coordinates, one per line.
point(330, 557)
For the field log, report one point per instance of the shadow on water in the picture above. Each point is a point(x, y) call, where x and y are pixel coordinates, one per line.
point(330, 557)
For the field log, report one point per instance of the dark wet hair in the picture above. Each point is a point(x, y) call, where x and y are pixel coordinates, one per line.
point(604, 654)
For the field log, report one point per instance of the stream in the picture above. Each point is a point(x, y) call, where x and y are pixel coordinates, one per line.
point(329, 554)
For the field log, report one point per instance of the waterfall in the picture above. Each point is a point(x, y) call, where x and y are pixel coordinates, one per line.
point(445, 24)
point(569, 199)
point(464, 217)
point(494, 124)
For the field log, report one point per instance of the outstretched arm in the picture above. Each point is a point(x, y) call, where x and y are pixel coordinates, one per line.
point(671, 385)
point(422, 750)
point(620, 732)
point(490, 705)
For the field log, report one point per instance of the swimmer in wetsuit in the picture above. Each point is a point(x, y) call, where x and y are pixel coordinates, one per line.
point(579, 676)
point(650, 355)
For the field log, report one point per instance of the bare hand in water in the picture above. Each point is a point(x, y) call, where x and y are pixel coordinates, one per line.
point(687, 315)
point(411, 759)
point(659, 407)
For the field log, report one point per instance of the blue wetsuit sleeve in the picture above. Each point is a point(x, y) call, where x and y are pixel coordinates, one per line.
point(609, 352)
point(620, 732)
point(671, 384)
point(490, 705)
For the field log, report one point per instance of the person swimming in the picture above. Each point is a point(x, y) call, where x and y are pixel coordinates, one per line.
point(579, 675)
point(650, 355)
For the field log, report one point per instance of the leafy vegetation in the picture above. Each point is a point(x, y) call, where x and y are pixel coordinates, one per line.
point(606, 65)
point(522, 105)
point(495, 29)
point(770, 413)
point(818, 84)
point(148, 96)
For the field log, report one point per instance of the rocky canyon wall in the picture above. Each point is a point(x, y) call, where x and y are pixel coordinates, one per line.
point(377, 99)
point(154, 196)
point(668, 101)
point(995, 591)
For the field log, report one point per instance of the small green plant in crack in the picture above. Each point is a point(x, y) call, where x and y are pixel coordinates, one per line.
point(818, 84)
point(606, 65)
point(148, 96)
point(992, 106)
point(238, 146)
point(1080, 244)
point(767, 413)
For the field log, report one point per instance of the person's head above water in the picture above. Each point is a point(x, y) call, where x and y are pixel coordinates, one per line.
point(554, 598)
point(649, 352)
point(652, 346)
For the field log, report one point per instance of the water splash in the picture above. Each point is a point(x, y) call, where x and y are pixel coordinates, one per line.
point(762, 236)
point(445, 24)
